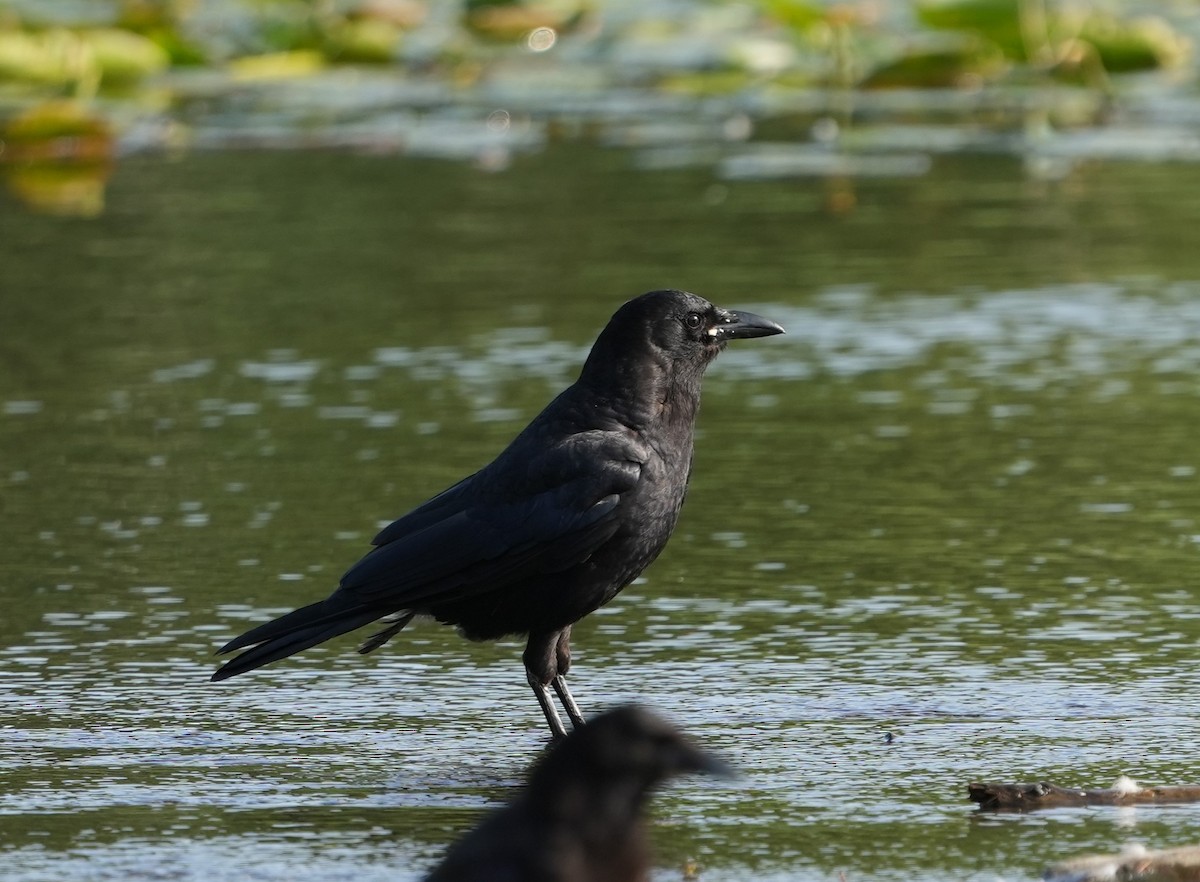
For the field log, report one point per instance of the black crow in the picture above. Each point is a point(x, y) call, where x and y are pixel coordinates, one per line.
point(566, 516)
point(579, 819)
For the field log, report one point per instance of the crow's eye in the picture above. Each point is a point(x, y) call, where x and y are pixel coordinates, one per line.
point(693, 320)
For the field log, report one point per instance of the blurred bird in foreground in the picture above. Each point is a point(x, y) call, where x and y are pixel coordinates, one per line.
point(579, 819)
point(566, 516)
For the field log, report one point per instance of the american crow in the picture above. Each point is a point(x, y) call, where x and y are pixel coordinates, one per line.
point(579, 817)
point(569, 514)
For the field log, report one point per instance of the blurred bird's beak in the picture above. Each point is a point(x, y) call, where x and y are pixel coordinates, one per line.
point(693, 759)
point(736, 325)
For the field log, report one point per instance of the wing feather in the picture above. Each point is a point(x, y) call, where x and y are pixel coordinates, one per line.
point(482, 535)
point(482, 549)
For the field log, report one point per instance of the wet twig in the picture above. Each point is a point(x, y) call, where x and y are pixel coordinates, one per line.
point(1042, 794)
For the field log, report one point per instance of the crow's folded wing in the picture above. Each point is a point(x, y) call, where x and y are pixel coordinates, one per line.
point(522, 516)
point(483, 534)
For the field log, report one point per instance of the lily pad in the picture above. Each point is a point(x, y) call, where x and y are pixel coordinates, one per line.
point(799, 15)
point(277, 65)
point(55, 120)
point(58, 157)
point(1121, 44)
point(948, 68)
point(66, 190)
point(996, 20)
point(363, 41)
point(108, 56)
point(47, 58)
point(160, 22)
point(1139, 44)
point(507, 21)
point(124, 57)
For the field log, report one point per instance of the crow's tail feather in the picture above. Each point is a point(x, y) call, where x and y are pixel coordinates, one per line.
point(322, 611)
point(289, 634)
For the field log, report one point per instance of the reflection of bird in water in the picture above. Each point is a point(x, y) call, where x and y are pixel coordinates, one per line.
point(565, 517)
point(579, 819)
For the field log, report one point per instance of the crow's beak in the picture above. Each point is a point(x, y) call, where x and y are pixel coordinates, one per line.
point(737, 325)
point(693, 759)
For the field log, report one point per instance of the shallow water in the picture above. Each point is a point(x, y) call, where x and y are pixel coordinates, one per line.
point(957, 504)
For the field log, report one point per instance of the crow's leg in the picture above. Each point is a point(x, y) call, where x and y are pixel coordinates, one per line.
point(541, 669)
point(562, 653)
point(557, 730)
point(568, 700)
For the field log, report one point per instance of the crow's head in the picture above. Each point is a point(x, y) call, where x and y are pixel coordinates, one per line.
point(686, 327)
point(674, 330)
point(617, 759)
point(635, 742)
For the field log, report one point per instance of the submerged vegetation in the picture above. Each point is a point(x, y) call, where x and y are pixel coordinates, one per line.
point(482, 79)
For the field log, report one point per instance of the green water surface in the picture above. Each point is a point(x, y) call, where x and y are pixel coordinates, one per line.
point(957, 503)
